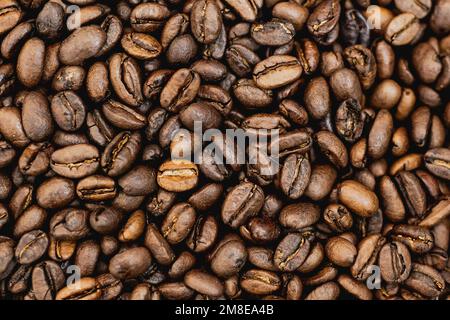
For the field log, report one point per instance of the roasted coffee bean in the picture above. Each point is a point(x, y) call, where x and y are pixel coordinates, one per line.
point(380, 135)
point(291, 252)
point(321, 181)
point(349, 120)
point(273, 33)
point(324, 17)
point(260, 282)
point(182, 50)
point(206, 21)
point(338, 217)
point(402, 29)
point(109, 286)
point(126, 79)
point(395, 262)
point(130, 263)
point(11, 127)
point(252, 96)
point(134, 227)
point(203, 113)
point(413, 192)
point(55, 193)
point(340, 251)
point(180, 90)
point(368, 250)
point(295, 175)
point(277, 71)
point(241, 203)
point(105, 220)
point(69, 224)
point(175, 291)
point(36, 117)
point(31, 247)
point(82, 44)
point(177, 175)
point(203, 235)
point(30, 62)
point(417, 238)
point(97, 82)
point(141, 46)
point(358, 198)
point(147, 17)
point(228, 257)
point(120, 154)
point(76, 161)
point(354, 287)
point(86, 289)
point(96, 188)
point(124, 126)
point(123, 117)
point(248, 9)
point(355, 28)
point(31, 219)
point(203, 283)
point(332, 148)
point(437, 162)
point(436, 213)
point(161, 202)
point(425, 280)
point(68, 110)
point(69, 78)
point(35, 159)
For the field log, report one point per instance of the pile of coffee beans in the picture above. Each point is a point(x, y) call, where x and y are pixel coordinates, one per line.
point(94, 203)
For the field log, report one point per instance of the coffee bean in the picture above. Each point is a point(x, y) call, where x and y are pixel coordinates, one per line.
point(96, 188)
point(277, 71)
point(418, 239)
point(124, 126)
point(147, 17)
point(68, 110)
point(273, 33)
point(260, 282)
point(203, 234)
point(425, 280)
point(324, 17)
point(437, 160)
point(120, 153)
point(180, 90)
point(358, 198)
point(130, 263)
point(177, 175)
point(241, 203)
point(69, 224)
point(82, 44)
point(178, 222)
point(85, 290)
point(402, 29)
point(206, 21)
point(158, 246)
point(123, 117)
point(55, 193)
point(76, 161)
point(141, 46)
point(228, 257)
point(248, 9)
point(203, 283)
point(31, 247)
point(291, 252)
point(128, 87)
